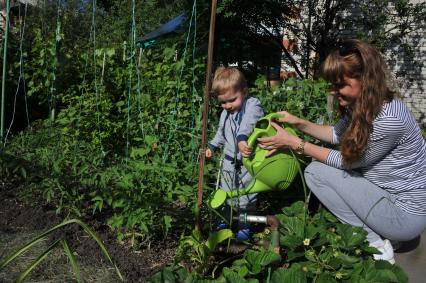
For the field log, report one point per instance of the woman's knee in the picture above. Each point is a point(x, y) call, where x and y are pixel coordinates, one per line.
point(314, 170)
point(315, 167)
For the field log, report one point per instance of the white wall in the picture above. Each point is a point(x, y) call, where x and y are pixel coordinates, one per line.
point(410, 71)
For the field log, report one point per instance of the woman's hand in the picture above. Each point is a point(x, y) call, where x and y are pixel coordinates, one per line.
point(288, 118)
point(281, 140)
point(321, 132)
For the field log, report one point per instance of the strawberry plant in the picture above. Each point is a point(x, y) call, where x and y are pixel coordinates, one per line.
point(314, 248)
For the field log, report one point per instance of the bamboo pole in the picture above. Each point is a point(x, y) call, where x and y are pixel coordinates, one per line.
point(205, 113)
point(3, 82)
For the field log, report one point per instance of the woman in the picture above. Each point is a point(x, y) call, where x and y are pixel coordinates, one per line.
point(377, 180)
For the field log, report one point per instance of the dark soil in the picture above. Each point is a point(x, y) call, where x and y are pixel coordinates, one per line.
point(20, 222)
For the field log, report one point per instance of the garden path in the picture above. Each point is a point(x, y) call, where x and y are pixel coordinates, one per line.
point(414, 261)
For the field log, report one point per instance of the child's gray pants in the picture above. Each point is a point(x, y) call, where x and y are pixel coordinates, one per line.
point(236, 179)
point(356, 201)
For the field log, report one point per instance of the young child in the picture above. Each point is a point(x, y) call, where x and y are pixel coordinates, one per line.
point(237, 120)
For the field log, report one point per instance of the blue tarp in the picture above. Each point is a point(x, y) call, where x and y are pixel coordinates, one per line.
point(173, 25)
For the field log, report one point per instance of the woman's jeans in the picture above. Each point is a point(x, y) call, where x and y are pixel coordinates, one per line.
point(356, 201)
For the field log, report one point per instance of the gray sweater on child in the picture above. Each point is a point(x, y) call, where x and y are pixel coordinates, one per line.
point(236, 127)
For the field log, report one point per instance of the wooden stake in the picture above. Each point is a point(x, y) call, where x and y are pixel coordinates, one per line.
point(3, 81)
point(205, 113)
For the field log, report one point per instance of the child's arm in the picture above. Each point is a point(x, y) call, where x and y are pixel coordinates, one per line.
point(253, 112)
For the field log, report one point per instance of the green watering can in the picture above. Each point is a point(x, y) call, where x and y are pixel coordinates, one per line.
point(269, 172)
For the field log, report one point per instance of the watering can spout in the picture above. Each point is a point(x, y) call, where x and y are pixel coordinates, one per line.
point(275, 171)
point(255, 186)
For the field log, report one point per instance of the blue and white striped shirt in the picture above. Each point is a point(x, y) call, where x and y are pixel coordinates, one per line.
point(395, 159)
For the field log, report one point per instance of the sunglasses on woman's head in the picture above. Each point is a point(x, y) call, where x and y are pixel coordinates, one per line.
point(346, 48)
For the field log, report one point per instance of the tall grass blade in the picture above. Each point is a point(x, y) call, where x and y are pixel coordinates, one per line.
point(45, 234)
point(30, 267)
point(101, 245)
point(72, 259)
point(29, 245)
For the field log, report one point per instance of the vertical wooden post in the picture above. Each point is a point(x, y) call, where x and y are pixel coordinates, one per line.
point(205, 113)
point(3, 82)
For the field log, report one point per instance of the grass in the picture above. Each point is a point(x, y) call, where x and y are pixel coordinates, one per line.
point(55, 268)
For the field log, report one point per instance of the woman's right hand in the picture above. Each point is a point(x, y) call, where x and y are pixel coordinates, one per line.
point(287, 118)
point(281, 140)
point(321, 132)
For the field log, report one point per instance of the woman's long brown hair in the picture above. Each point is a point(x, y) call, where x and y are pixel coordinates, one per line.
point(359, 60)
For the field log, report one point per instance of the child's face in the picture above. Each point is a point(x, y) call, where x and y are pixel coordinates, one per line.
point(231, 100)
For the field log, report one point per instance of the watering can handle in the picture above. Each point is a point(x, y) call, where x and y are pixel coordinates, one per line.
point(252, 141)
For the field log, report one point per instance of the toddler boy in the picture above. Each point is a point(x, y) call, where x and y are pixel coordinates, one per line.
point(237, 120)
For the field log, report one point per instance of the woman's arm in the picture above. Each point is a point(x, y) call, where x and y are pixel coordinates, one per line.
point(285, 140)
point(321, 132)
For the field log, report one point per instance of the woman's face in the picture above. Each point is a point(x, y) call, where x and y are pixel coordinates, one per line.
point(347, 92)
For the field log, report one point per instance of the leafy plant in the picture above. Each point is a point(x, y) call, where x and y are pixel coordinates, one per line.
point(120, 144)
point(196, 253)
point(55, 244)
point(306, 98)
point(315, 248)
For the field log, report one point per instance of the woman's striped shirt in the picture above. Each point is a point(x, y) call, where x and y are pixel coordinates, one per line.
point(395, 159)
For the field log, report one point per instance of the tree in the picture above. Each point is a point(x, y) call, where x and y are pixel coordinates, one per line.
point(315, 24)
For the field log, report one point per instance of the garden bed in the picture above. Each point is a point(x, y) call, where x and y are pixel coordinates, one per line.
point(21, 222)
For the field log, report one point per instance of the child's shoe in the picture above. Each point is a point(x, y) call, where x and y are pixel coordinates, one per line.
point(386, 249)
point(243, 233)
point(221, 225)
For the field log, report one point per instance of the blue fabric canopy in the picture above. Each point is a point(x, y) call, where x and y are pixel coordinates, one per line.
point(173, 25)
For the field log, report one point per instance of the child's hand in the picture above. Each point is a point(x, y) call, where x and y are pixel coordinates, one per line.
point(209, 153)
point(245, 150)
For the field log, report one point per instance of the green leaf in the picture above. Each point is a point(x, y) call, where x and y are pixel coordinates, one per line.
point(391, 271)
point(311, 231)
point(293, 255)
point(295, 226)
point(291, 241)
point(218, 237)
point(347, 259)
point(23, 172)
point(217, 198)
point(325, 278)
point(150, 139)
point(233, 277)
point(167, 223)
point(295, 209)
point(259, 259)
point(72, 259)
point(170, 274)
point(196, 234)
point(98, 241)
point(34, 264)
point(294, 274)
point(351, 236)
point(99, 202)
point(139, 152)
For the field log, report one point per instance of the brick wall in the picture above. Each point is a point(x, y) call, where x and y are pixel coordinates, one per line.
point(409, 70)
